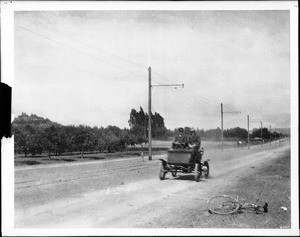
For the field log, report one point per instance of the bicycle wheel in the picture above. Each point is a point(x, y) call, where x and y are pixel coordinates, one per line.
point(223, 205)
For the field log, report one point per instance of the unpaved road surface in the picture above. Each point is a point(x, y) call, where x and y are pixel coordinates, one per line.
point(128, 193)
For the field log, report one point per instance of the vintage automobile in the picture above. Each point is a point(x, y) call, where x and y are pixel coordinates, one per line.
point(184, 161)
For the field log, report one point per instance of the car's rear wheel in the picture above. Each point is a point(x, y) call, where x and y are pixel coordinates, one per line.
point(162, 172)
point(197, 172)
point(174, 173)
point(206, 169)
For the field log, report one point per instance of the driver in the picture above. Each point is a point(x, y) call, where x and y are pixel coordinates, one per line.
point(180, 141)
point(194, 141)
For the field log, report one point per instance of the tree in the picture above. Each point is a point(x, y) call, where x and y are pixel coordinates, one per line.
point(257, 133)
point(84, 139)
point(100, 137)
point(62, 140)
point(236, 132)
point(52, 137)
point(158, 126)
point(37, 143)
point(214, 134)
point(138, 123)
point(21, 140)
point(138, 126)
point(69, 133)
point(112, 138)
point(29, 139)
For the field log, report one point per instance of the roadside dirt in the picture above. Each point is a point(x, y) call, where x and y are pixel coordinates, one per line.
point(128, 193)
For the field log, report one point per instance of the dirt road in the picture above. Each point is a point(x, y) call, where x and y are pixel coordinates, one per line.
point(128, 193)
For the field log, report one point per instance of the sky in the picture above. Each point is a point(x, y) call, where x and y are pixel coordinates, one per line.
point(91, 67)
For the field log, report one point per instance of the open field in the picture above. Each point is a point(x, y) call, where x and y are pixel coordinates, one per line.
point(127, 193)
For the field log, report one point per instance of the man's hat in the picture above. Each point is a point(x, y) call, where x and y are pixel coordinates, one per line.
point(180, 129)
point(192, 130)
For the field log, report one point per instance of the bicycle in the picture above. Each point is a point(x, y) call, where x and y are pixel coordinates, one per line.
point(225, 205)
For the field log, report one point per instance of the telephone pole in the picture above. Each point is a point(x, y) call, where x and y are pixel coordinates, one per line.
point(261, 131)
point(222, 124)
point(270, 136)
point(222, 112)
point(149, 110)
point(248, 131)
point(149, 116)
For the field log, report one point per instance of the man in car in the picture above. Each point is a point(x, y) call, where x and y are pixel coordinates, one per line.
point(194, 142)
point(180, 141)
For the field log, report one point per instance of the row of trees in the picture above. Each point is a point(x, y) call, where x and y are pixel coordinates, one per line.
point(266, 134)
point(36, 135)
point(59, 139)
point(233, 133)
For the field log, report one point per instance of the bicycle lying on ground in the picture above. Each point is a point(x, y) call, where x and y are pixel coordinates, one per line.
point(224, 205)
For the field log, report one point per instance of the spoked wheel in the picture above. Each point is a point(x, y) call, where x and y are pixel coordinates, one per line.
point(223, 205)
point(206, 169)
point(174, 173)
point(162, 172)
point(197, 172)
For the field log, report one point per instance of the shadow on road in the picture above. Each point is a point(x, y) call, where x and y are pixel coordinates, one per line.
point(189, 177)
point(29, 162)
point(185, 177)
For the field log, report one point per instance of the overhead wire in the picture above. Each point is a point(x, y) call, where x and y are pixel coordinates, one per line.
point(204, 106)
point(79, 51)
point(54, 30)
point(208, 103)
point(199, 96)
point(205, 100)
point(189, 97)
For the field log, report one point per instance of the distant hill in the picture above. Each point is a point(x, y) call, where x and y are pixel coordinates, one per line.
point(33, 119)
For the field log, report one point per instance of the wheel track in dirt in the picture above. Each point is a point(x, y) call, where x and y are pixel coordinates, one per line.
point(83, 175)
point(84, 204)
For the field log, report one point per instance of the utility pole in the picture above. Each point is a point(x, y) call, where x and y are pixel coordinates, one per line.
point(149, 116)
point(261, 131)
point(149, 110)
point(222, 112)
point(222, 124)
point(270, 136)
point(248, 131)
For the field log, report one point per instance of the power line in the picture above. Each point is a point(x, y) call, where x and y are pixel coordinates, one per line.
point(195, 99)
point(82, 52)
point(89, 55)
point(68, 36)
point(200, 99)
point(229, 107)
point(79, 51)
point(207, 101)
point(198, 96)
point(76, 40)
point(212, 102)
point(204, 100)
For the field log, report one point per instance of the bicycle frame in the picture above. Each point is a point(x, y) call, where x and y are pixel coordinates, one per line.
point(224, 205)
